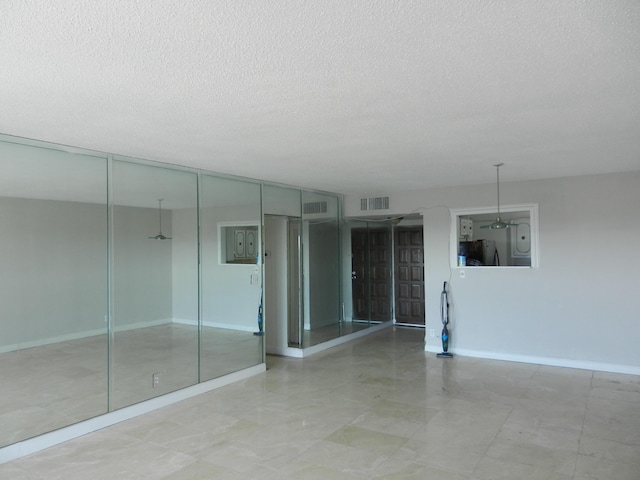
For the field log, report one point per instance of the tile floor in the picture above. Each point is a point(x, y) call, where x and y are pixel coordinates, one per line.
point(379, 407)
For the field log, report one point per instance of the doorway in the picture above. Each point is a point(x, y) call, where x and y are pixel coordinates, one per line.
point(409, 276)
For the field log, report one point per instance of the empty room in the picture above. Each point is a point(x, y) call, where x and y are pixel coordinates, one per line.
point(336, 240)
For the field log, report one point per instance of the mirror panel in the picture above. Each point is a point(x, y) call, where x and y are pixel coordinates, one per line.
point(53, 279)
point(321, 260)
point(154, 287)
point(231, 290)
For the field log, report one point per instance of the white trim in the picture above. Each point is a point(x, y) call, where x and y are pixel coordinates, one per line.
point(532, 208)
point(550, 361)
point(312, 350)
point(32, 445)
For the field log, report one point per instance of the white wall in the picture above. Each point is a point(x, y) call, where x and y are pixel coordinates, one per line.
point(142, 269)
point(579, 308)
point(184, 257)
point(54, 260)
point(229, 300)
point(54, 279)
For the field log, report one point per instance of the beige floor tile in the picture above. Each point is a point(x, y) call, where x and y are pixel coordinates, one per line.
point(603, 469)
point(379, 407)
point(369, 440)
point(493, 469)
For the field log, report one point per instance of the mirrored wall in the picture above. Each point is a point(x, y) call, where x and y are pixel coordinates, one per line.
point(104, 301)
point(123, 280)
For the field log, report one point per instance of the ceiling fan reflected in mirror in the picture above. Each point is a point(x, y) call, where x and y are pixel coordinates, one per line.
point(499, 223)
point(160, 236)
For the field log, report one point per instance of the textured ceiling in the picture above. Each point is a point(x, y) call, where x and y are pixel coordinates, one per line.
point(358, 96)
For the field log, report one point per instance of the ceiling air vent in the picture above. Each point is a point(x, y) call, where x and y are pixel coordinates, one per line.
point(315, 207)
point(374, 203)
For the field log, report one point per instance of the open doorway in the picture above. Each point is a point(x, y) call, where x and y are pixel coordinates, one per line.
point(409, 275)
point(387, 270)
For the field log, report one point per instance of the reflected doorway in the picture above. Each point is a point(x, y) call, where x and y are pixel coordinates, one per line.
point(283, 283)
point(371, 274)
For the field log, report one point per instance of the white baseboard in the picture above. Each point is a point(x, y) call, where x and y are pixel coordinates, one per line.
point(550, 361)
point(308, 351)
point(32, 445)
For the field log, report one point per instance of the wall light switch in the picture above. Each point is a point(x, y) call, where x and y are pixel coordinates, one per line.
point(462, 273)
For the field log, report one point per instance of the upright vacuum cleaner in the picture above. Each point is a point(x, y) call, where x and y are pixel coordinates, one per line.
point(260, 331)
point(444, 316)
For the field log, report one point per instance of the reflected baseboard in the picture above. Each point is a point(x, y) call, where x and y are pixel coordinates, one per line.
point(119, 329)
point(226, 326)
point(41, 342)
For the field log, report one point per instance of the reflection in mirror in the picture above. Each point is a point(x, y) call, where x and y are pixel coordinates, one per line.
point(282, 268)
point(371, 270)
point(480, 246)
point(154, 328)
point(231, 289)
point(53, 347)
point(321, 262)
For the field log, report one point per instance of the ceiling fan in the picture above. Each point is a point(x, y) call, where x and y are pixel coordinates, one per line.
point(499, 224)
point(160, 236)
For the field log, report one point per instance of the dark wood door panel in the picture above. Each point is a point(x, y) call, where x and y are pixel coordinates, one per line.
point(409, 275)
point(371, 277)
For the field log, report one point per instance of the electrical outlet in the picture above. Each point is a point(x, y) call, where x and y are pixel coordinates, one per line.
point(155, 380)
point(432, 333)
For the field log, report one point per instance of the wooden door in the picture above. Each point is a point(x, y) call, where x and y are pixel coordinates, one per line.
point(409, 275)
point(371, 274)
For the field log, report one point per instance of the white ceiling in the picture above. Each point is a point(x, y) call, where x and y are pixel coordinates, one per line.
point(358, 96)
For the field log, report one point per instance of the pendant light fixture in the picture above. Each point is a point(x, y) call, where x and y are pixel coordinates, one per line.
point(160, 236)
point(498, 224)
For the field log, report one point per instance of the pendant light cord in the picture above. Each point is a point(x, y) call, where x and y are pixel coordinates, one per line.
point(498, 165)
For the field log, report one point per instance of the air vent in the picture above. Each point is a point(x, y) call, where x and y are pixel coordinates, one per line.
point(374, 203)
point(315, 207)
